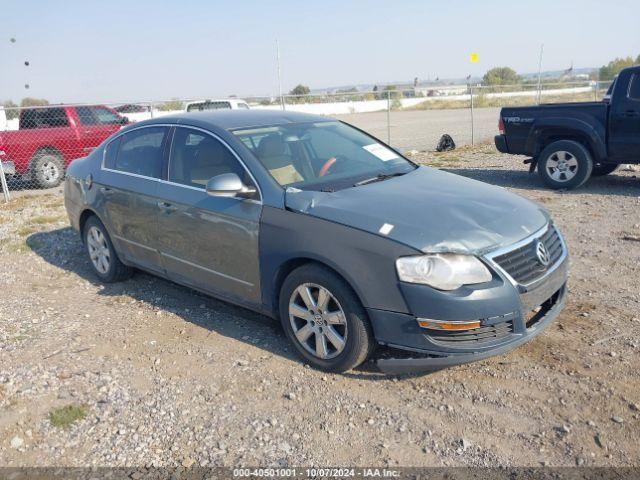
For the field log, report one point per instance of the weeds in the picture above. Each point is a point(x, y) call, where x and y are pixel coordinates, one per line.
point(64, 417)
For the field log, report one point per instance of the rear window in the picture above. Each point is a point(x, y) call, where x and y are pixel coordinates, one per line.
point(209, 105)
point(43, 118)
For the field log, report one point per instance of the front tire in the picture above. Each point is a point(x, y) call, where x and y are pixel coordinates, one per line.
point(324, 319)
point(102, 256)
point(47, 169)
point(565, 164)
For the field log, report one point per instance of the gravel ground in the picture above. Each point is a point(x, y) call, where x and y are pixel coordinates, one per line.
point(156, 374)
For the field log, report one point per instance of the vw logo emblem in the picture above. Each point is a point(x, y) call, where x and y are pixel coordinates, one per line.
point(542, 253)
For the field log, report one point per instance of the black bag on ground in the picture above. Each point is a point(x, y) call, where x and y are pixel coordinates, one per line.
point(446, 143)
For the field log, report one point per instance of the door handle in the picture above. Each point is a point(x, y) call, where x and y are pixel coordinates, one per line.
point(167, 207)
point(631, 113)
point(106, 190)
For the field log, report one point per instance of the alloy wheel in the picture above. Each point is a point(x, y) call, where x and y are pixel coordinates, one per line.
point(98, 250)
point(318, 321)
point(561, 166)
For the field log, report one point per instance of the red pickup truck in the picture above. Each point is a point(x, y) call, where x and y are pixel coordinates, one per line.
point(50, 137)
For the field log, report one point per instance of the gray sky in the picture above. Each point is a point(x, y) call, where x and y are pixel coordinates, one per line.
point(152, 50)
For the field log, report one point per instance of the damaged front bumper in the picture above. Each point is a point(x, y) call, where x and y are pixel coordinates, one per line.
point(509, 315)
point(417, 361)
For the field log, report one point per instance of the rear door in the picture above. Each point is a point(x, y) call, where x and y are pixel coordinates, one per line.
point(210, 243)
point(624, 119)
point(128, 187)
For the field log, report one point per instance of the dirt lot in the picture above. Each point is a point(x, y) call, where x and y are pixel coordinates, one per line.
point(149, 373)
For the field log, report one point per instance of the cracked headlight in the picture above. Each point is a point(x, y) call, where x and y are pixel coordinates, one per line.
point(444, 271)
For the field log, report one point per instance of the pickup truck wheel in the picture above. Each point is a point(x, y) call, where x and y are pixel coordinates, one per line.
point(324, 319)
point(48, 169)
point(565, 164)
point(602, 169)
point(103, 257)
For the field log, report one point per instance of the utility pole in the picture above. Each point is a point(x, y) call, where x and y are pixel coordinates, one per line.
point(279, 76)
point(540, 72)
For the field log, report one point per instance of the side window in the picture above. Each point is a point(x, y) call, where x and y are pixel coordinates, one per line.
point(29, 119)
point(140, 152)
point(43, 118)
point(53, 117)
point(111, 152)
point(106, 116)
point(196, 157)
point(634, 87)
point(85, 116)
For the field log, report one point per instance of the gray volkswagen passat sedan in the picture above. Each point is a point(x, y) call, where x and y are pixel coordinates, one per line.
point(314, 222)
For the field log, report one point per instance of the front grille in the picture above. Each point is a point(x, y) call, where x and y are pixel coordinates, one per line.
point(486, 333)
point(522, 264)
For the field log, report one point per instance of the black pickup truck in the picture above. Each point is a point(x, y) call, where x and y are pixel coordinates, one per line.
point(569, 142)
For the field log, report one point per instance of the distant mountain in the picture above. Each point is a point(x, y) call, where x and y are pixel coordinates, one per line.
point(558, 73)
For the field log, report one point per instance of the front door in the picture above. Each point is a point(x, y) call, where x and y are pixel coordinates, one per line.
point(96, 124)
point(624, 121)
point(128, 185)
point(210, 243)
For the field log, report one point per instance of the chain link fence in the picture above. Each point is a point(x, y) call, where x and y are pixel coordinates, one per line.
point(38, 143)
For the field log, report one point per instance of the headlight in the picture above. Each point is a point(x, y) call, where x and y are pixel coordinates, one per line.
point(444, 271)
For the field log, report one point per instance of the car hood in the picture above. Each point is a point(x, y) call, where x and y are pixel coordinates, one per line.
point(428, 209)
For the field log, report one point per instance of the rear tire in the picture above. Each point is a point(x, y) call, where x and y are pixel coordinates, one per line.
point(602, 169)
point(47, 169)
point(565, 164)
point(330, 330)
point(102, 256)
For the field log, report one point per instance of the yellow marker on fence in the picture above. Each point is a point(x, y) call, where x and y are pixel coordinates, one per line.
point(473, 58)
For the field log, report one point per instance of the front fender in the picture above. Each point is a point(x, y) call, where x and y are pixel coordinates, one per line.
point(365, 261)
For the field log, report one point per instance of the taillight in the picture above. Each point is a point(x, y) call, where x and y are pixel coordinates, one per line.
point(501, 126)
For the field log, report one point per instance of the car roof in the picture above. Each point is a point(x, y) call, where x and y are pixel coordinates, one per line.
point(234, 119)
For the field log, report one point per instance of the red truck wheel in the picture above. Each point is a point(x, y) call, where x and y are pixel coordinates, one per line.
point(47, 169)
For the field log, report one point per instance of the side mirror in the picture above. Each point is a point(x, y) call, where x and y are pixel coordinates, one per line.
point(229, 185)
point(124, 121)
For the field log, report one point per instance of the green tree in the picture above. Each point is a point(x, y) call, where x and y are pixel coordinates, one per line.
point(638, 60)
point(33, 102)
point(11, 110)
point(300, 90)
point(610, 70)
point(501, 76)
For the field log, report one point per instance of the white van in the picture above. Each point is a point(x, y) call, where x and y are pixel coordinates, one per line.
point(227, 103)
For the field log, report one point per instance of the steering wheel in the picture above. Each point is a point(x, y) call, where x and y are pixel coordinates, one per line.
point(328, 165)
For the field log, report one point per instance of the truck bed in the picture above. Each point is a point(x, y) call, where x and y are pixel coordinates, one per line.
point(520, 122)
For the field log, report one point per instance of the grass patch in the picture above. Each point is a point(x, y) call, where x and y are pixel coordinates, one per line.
point(64, 417)
point(43, 220)
point(481, 100)
point(17, 338)
point(12, 246)
point(26, 230)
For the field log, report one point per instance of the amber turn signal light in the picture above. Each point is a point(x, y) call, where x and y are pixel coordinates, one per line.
point(452, 325)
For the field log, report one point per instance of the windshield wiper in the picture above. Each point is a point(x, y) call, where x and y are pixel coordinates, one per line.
point(378, 178)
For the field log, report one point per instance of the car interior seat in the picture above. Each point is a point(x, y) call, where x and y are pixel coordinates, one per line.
point(272, 152)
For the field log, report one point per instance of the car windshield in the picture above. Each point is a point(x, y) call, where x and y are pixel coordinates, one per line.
point(322, 156)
